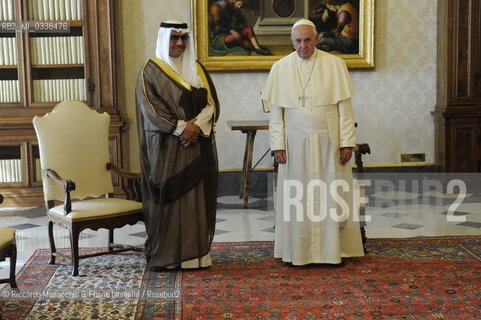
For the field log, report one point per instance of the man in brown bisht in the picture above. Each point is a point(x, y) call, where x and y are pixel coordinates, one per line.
point(177, 108)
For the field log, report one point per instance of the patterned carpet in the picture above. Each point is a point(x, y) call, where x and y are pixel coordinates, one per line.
point(416, 278)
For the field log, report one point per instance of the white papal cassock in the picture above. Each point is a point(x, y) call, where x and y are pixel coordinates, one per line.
point(316, 220)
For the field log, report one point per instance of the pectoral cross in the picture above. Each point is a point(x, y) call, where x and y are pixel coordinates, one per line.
point(303, 97)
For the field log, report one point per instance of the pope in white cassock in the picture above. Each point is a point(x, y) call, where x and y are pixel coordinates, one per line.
point(308, 94)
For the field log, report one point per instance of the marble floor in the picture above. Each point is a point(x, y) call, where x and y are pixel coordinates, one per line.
point(392, 214)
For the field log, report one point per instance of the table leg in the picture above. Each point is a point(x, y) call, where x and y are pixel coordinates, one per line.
point(247, 166)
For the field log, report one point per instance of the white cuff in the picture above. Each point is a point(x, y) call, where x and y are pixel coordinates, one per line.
point(180, 127)
point(204, 119)
point(276, 128)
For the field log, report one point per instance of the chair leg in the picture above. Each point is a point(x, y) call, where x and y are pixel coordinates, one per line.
point(13, 264)
point(364, 239)
point(51, 240)
point(111, 240)
point(74, 239)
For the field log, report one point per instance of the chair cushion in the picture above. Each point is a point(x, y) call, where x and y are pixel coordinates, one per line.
point(97, 209)
point(6, 237)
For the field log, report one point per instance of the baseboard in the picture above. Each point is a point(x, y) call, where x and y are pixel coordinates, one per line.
point(399, 169)
point(261, 180)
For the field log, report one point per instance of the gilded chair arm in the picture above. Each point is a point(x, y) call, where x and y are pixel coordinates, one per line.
point(123, 173)
point(133, 181)
point(68, 186)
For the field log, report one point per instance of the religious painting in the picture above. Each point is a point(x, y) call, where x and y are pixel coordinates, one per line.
point(250, 35)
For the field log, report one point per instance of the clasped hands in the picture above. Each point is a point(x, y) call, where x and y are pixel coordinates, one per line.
point(190, 134)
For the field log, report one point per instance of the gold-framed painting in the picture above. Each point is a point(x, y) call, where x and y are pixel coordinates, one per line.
point(250, 35)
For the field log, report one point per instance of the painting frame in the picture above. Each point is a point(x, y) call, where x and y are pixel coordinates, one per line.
point(364, 60)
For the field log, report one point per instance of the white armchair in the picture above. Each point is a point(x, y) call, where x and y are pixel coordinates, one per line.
point(74, 155)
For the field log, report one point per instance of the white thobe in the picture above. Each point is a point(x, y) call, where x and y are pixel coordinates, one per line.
point(302, 237)
point(312, 137)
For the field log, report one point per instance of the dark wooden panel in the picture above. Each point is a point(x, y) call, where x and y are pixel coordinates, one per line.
point(9, 74)
point(477, 61)
point(463, 49)
point(105, 56)
point(102, 54)
point(457, 113)
point(463, 146)
point(58, 73)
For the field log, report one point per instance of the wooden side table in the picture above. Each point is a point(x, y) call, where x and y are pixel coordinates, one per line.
point(249, 127)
